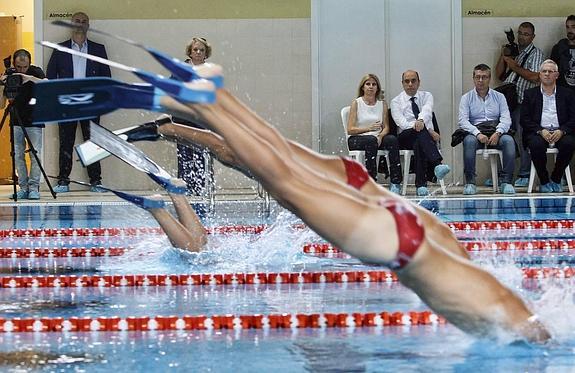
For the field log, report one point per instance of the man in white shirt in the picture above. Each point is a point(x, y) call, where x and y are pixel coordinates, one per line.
point(487, 108)
point(548, 120)
point(412, 111)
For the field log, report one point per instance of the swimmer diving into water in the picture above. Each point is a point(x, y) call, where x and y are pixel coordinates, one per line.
point(375, 227)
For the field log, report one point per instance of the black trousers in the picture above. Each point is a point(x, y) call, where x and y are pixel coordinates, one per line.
point(67, 132)
point(425, 153)
point(538, 149)
point(369, 144)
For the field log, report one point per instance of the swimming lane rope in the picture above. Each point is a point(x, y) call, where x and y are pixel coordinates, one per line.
point(561, 225)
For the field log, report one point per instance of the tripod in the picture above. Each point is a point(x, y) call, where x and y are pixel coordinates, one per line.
point(14, 115)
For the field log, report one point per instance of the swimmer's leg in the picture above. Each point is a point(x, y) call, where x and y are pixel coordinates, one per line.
point(187, 216)
point(204, 139)
point(334, 210)
point(178, 235)
point(329, 165)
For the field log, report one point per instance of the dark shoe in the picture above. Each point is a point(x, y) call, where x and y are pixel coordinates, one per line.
point(147, 131)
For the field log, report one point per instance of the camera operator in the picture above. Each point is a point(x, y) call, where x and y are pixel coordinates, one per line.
point(523, 71)
point(29, 74)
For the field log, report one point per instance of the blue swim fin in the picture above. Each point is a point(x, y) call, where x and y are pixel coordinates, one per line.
point(64, 100)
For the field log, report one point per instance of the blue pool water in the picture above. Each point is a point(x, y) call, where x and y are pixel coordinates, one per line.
point(278, 249)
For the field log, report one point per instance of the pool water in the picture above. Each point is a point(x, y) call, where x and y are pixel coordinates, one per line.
point(277, 250)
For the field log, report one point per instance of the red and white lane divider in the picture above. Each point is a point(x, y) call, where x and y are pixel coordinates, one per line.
point(233, 278)
point(312, 248)
point(108, 232)
point(196, 279)
point(61, 252)
point(511, 225)
point(559, 244)
point(254, 229)
point(219, 322)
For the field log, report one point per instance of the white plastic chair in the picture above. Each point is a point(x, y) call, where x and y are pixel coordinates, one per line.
point(492, 155)
point(359, 155)
point(533, 172)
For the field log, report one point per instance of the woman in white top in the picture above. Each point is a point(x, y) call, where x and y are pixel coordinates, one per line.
point(368, 129)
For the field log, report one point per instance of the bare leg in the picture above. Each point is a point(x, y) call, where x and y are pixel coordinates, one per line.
point(330, 166)
point(332, 209)
point(187, 216)
point(348, 221)
point(196, 137)
point(179, 236)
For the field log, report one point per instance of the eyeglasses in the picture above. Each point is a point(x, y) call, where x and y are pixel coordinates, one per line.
point(523, 34)
point(412, 81)
point(548, 71)
point(482, 77)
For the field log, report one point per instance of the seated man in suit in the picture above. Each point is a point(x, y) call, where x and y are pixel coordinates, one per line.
point(487, 108)
point(548, 120)
point(412, 111)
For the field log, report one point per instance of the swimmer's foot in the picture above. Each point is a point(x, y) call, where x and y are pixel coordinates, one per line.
point(147, 203)
point(199, 91)
point(211, 72)
point(178, 187)
point(173, 185)
point(147, 131)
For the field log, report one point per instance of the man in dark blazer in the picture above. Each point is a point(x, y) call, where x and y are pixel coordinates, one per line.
point(63, 65)
point(548, 120)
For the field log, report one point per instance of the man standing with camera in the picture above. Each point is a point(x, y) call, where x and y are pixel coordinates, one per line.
point(63, 65)
point(17, 85)
point(563, 53)
point(519, 64)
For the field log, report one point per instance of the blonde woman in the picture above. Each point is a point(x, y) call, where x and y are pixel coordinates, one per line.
point(368, 129)
point(191, 162)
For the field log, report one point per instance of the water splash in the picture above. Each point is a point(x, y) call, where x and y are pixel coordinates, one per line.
point(277, 248)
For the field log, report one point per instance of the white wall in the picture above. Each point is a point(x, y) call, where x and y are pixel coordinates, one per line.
point(386, 38)
point(350, 43)
point(266, 62)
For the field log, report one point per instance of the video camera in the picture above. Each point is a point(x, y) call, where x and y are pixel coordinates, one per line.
point(13, 81)
point(510, 49)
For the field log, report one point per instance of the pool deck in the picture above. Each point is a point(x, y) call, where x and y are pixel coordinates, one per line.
point(83, 196)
